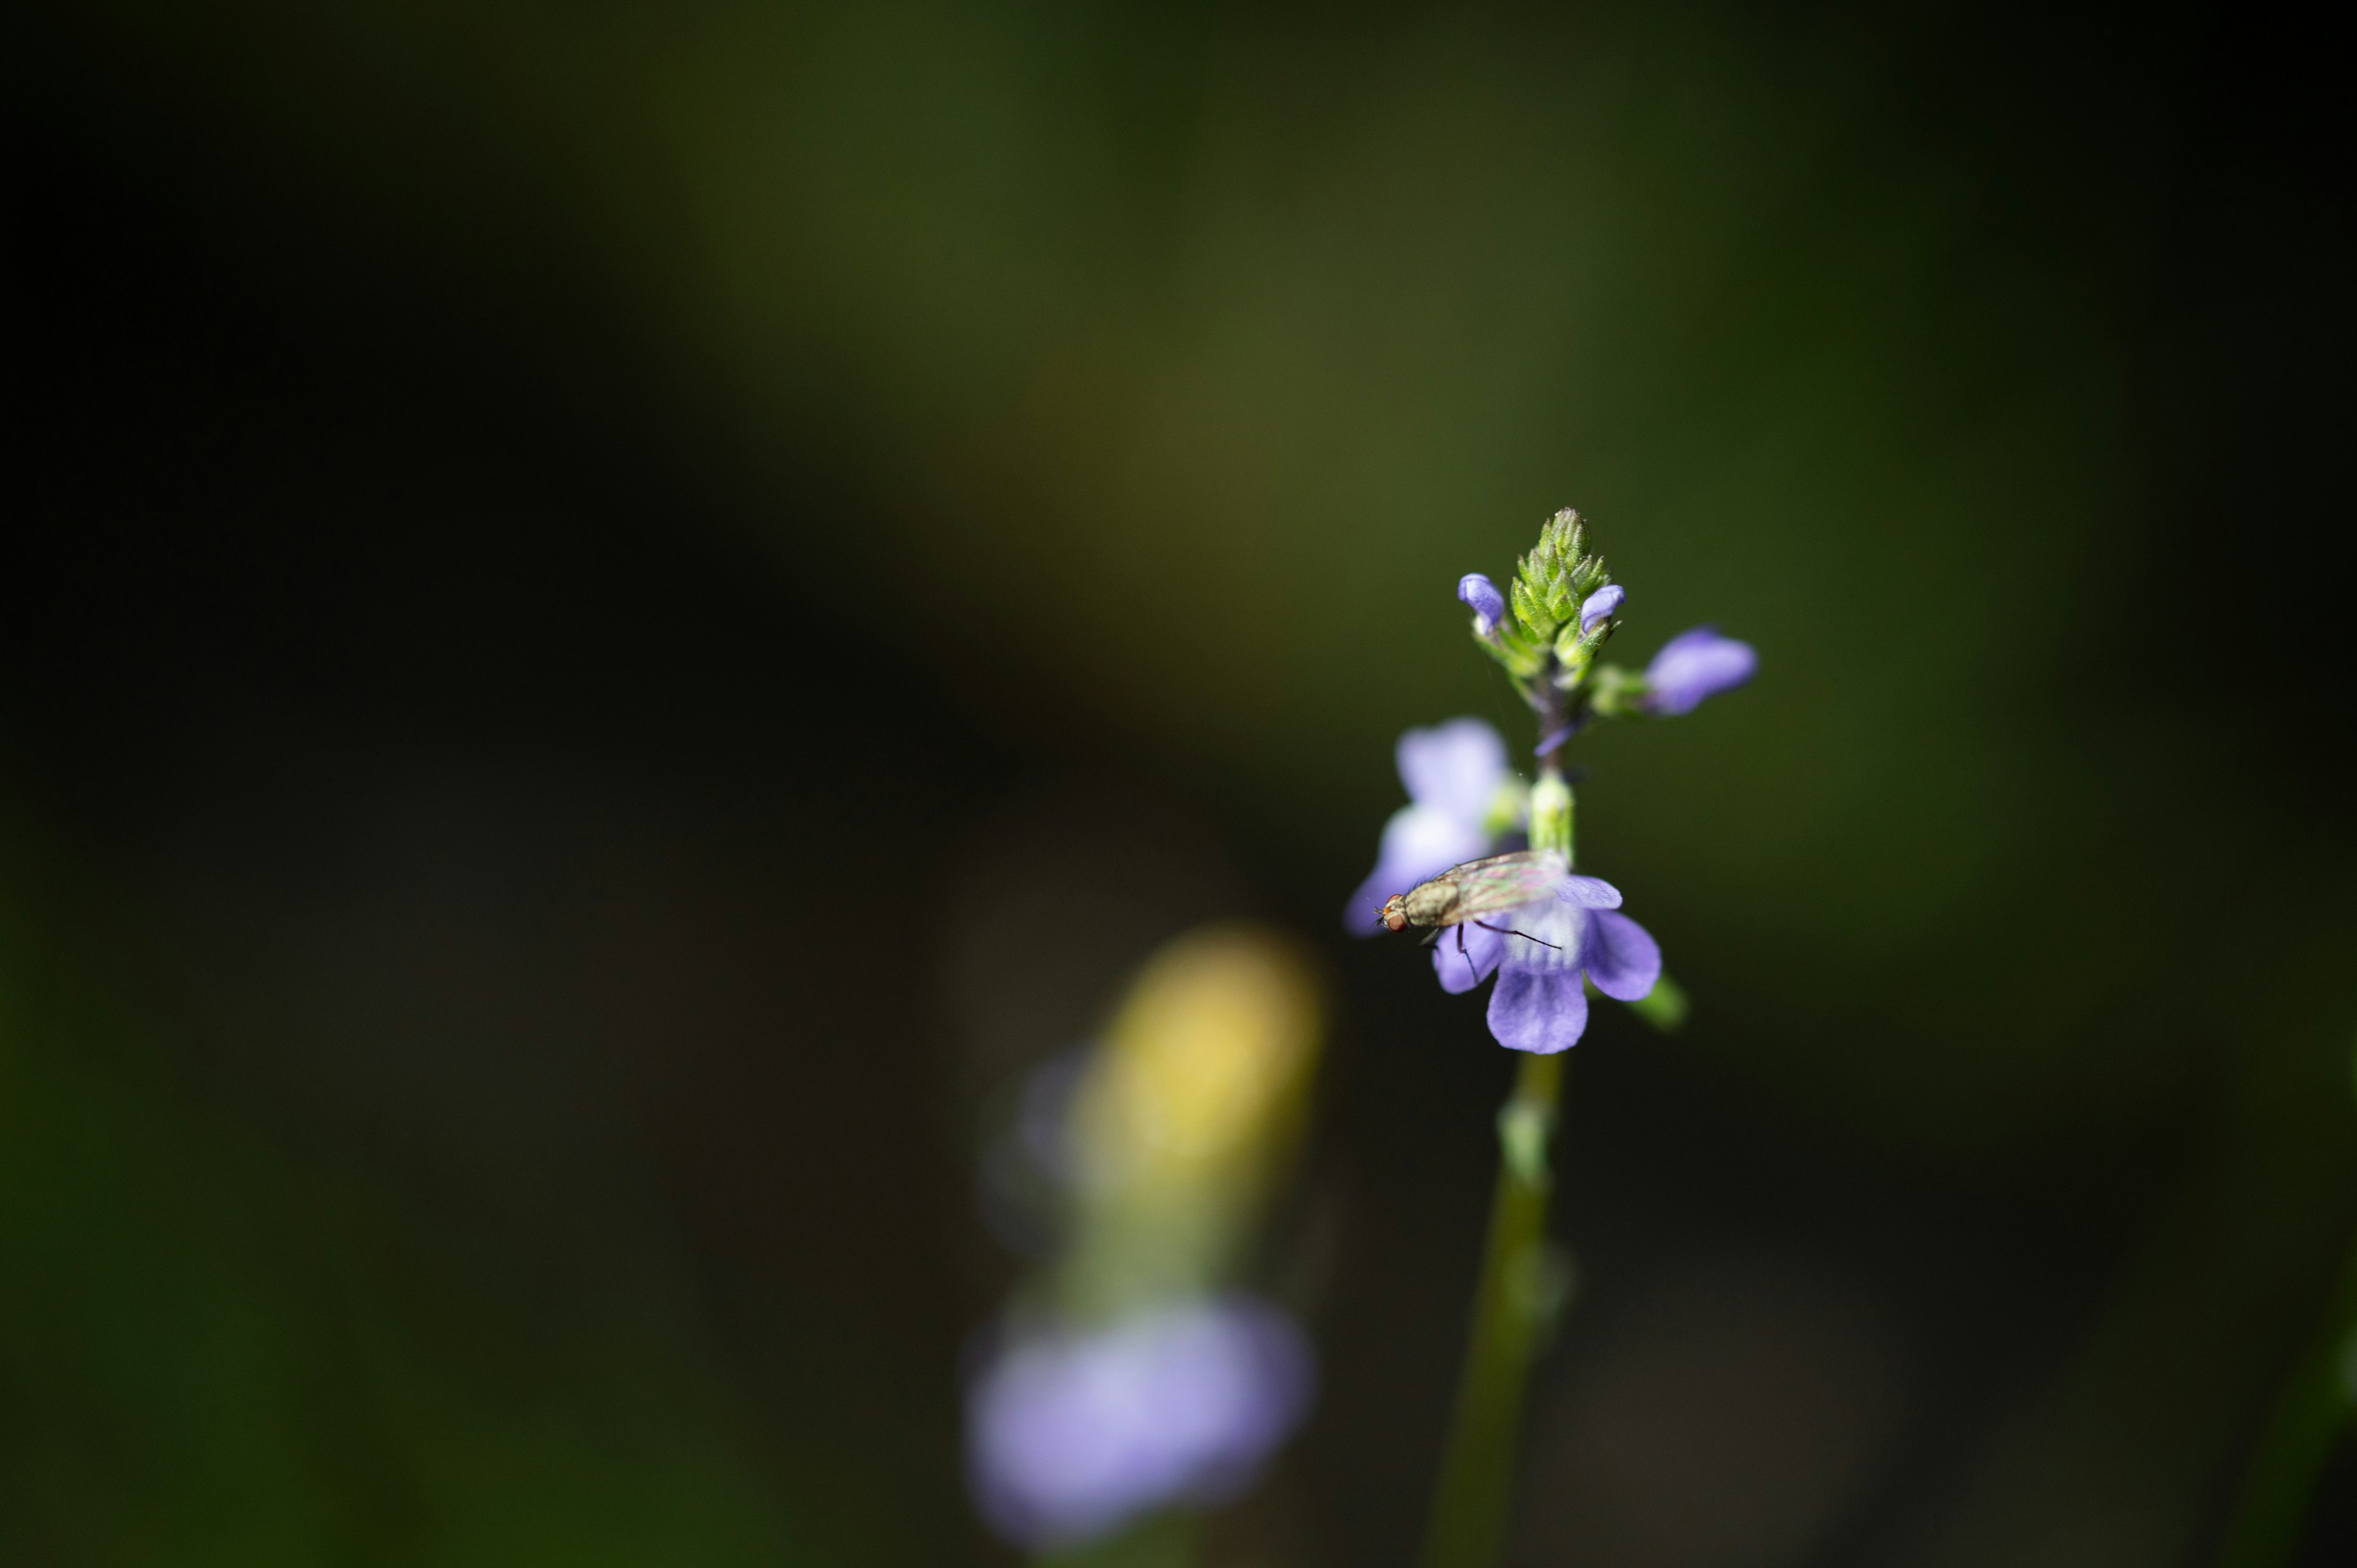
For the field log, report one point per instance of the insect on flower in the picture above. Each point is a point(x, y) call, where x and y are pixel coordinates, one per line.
point(1463, 893)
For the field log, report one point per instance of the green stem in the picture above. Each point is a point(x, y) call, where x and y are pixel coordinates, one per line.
point(1522, 1280)
point(2273, 1505)
point(1521, 1285)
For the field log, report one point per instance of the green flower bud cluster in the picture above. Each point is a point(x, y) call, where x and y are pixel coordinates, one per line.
point(1544, 643)
point(1556, 578)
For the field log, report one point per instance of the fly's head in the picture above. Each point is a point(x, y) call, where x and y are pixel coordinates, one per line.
point(1394, 915)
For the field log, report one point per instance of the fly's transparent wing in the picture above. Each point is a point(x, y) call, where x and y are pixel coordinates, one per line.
point(1503, 881)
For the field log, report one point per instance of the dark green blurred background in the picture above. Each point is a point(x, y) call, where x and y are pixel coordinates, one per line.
point(610, 615)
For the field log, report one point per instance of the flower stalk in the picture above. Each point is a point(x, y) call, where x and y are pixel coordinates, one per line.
point(1523, 1279)
point(1524, 1283)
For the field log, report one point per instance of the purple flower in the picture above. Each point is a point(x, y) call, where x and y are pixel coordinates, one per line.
point(1488, 604)
point(1694, 665)
point(1541, 952)
point(1069, 1434)
point(1602, 605)
point(1453, 772)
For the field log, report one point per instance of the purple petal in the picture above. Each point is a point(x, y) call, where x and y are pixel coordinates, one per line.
point(1461, 968)
point(1621, 956)
point(1602, 605)
point(1539, 1004)
point(1589, 892)
point(1419, 842)
point(1538, 1009)
point(1069, 1434)
point(1694, 665)
point(1488, 604)
point(1454, 766)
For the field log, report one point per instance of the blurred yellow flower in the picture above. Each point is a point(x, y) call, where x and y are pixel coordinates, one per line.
point(1190, 1107)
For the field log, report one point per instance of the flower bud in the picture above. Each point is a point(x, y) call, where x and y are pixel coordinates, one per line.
point(1488, 604)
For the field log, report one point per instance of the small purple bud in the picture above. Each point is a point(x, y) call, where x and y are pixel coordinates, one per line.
point(1488, 604)
point(1694, 665)
point(1601, 605)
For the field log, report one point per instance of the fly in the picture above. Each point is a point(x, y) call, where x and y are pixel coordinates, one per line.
point(1478, 888)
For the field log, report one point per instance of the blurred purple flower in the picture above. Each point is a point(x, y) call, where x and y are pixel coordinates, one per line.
point(1541, 952)
point(1694, 665)
point(1602, 605)
point(1453, 772)
point(1071, 1433)
point(1488, 604)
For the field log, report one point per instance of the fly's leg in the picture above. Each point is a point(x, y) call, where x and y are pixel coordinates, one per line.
point(1503, 933)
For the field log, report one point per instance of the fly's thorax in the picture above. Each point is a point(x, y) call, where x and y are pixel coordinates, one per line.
point(1431, 903)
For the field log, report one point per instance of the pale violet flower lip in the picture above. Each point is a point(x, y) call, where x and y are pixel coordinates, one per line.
point(1696, 665)
point(1541, 953)
point(1453, 772)
point(1071, 1433)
